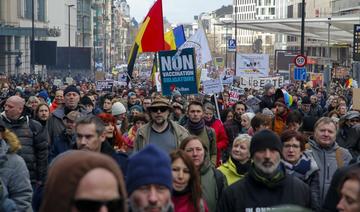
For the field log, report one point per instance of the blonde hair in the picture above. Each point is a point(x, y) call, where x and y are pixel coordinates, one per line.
point(243, 138)
point(12, 140)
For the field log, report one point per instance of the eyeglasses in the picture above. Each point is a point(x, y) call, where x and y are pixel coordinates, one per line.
point(156, 109)
point(87, 205)
point(294, 146)
point(354, 120)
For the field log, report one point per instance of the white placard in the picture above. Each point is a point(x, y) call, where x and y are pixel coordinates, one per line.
point(252, 65)
point(212, 86)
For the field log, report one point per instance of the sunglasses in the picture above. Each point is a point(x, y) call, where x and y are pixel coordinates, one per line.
point(156, 109)
point(86, 205)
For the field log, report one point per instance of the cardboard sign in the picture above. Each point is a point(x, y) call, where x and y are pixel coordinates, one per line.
point(356, 99)
point(178, 72)
point(99, 75)
point(212, 86)
point(104, 85)
point(317, 79)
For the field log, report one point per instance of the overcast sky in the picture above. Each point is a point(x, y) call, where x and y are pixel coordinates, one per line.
point(176, 11)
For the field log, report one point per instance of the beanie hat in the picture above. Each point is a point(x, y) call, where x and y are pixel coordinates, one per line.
point(85, 100)
point(268, 86)
point(117, 109)
point(43, 94)
point(151, 165)
point(137, 107)
point(265, 139)
point(71, 88)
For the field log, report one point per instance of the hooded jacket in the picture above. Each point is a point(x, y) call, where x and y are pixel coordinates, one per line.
point(229, 170)
point(143, 134)
point(34, 141)
point(15, 176)
point(327, 163)
point(253, 194)
point(59, 190)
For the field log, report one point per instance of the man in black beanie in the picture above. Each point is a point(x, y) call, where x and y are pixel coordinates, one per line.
point(71, 103)
point(266, 185)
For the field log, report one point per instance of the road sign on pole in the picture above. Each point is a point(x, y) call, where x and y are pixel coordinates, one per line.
point(231, 45)
point(300, 60)
point(300, 73)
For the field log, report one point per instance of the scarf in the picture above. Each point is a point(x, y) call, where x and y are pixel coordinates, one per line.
point(240, 167)
point(183, 192)
point(196, 128)
point(270, 182)
point(302, 169)
point(211, 122)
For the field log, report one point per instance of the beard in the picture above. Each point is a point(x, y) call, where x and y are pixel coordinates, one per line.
point(266, 166)
point(164, 208)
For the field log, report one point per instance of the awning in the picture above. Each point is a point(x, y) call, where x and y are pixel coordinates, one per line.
point(341, 27)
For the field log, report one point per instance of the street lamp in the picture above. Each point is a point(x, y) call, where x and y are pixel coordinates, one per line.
point(69, 52)
point(32, 49)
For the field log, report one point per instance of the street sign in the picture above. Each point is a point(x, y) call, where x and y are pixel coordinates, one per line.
point(300, 73)
point(300, 60)
point(231, 45)
point(356, 44)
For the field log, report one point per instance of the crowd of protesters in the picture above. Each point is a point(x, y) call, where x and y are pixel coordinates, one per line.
point(73, 148)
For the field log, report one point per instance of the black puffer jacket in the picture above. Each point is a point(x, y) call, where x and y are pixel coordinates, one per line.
point(34, 141)
point(249, 194)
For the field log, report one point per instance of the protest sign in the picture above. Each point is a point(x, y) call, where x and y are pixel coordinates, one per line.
point(356, 99)
point(252, 65)
point(212, 86)
point(235, 92)
point(158, 81)
point(69, 80)
point(178, 72)
point(317, 79)
point(99, 75)
point(259, 83)
point(104, 85)
point(58, 82)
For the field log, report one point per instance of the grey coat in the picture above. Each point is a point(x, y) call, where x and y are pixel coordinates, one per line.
point(327, 163)
point(16, 178)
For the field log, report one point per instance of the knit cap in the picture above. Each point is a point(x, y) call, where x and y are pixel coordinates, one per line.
point(71, 88)
point(117, 109)
point(265, 139)
point(151, 165)
point(43, 94)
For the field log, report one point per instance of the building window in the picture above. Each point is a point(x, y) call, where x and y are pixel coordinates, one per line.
point(27, 9)
point(259, 3)
point(262, 11)
point(41, 10)
point(290, 11)
point(17, 43)
point(272, 11)
point(299, 10)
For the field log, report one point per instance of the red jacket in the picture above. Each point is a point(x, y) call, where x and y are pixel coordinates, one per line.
point(183, 203)
point(222, 140)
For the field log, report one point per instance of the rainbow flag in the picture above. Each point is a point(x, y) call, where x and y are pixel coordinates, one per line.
point(174, 38)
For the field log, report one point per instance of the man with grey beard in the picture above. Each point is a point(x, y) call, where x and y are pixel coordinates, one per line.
point(266, 185)
point(149, 180)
